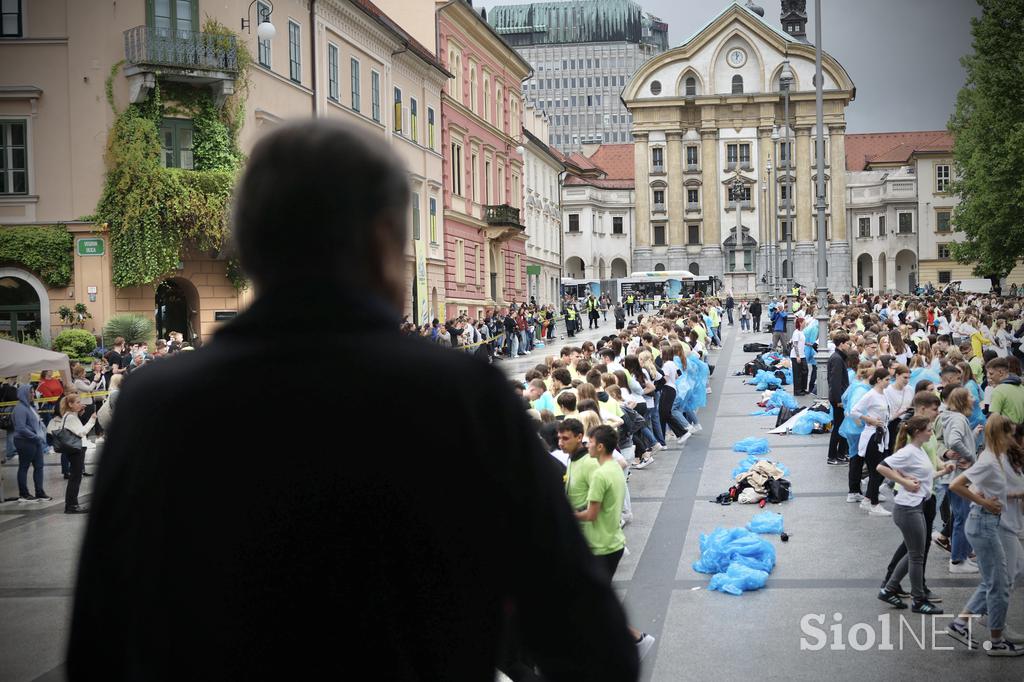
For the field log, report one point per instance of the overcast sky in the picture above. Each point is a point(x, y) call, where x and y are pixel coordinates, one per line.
point(903, 55)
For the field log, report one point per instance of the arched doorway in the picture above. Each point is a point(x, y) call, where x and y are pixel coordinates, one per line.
point(177, 308)
point(574, 268)
point(694, 268)
point(619, 268)
point(864, 272)
point(906, 271)
point(20, 308)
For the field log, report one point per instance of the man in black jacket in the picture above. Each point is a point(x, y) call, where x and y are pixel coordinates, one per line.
point(232, 564)
point(838, 382)
point(730, 303)
point(755, 314)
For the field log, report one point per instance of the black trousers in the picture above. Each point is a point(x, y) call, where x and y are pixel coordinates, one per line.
point(668, 396)
point(856, 469)
point(812, 384)
point(873, 458)
point(799, 375)
point(836, 443)
point(77, 461)
point(929, 518)
point(757, 322)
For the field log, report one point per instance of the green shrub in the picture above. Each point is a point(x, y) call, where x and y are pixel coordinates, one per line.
point(75, 343)
point(134, 328)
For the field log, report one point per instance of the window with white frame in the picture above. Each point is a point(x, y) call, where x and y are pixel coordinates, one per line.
point(864, 227)
point(693, 234)
point(881, 226)
point(332, 72)
point(294, 52)
point(906, 223)
point(430, 127)
point(263, 44)
point(691, 156)
point(355, 78)
point(942, 178)
point(14, 157)
point(456, 163)
point(375, 95)
point(460, 261)
point(944, 251)
point(414, 124)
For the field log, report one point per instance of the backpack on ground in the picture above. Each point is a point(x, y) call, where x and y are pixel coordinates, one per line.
point(756, 348)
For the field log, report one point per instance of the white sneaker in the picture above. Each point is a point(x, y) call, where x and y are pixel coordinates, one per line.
point(686, 436)
point(658, 447)
point(963, 567)
point(854, 497)
point(697, 428)
point(644, 645)
point(643, 464)
point(865, 504)
point(625, 519)
point(879, 510)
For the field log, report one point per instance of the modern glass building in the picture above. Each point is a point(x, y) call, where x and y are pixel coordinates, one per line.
point(582, 52)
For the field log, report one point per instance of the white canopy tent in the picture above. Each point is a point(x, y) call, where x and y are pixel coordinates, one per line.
point(19, 360)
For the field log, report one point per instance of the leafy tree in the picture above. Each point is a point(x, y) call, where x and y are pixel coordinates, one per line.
point(988, 151)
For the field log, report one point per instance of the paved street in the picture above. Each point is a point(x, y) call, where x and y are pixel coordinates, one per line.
point(832, 564)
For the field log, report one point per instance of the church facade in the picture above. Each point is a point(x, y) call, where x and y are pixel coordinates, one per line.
point(719, 190)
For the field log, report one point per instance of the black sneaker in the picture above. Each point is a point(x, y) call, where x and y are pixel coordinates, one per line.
point(1003, 648)
point(43, 498)
point(835, 462)
point(926, 607)
point(961, 634)
point(892, 599)
point(26, 498)
point(901, 593)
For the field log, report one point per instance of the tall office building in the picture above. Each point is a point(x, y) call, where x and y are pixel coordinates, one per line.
point(582, 53)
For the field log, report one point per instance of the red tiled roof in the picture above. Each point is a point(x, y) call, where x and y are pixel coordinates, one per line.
point(581, 161)
point(866, 148)
point(599, 182)
point(616, 160)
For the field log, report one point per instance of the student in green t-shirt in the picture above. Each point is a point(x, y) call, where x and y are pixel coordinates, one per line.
point(580, 467)
point(1008, 394)
point(601, 517)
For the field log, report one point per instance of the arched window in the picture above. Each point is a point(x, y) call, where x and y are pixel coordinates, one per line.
point(737, 84)
point(659, 267)
point(694, 268)
point(785, 268)
point(472, 89)
point(691, 86)
point(499, 108)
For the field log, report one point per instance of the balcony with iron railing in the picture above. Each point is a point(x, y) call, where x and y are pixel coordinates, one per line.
point(503, 222)
point(658, 169)
point(658, 208)
point(176, 55)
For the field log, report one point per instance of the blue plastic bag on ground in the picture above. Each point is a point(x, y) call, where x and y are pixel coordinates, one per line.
point(781, 398)
point(738, 579)
point(773, 412)
point(808, 418)
point(764, 380)
point(766, 522)
point(725, 546)
point(752, 446)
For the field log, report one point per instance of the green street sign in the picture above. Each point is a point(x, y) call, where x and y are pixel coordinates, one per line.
point(90, 247)
point(532, 269)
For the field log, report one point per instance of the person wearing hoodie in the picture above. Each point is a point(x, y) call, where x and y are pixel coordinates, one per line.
point(1008, 394)
point(29, 441)
point(961, 446)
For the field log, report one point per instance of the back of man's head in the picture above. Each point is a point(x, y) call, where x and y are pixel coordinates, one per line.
point(323, 191)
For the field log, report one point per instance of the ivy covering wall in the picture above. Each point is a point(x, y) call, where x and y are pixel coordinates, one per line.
point(155, 213)
point(43, 249)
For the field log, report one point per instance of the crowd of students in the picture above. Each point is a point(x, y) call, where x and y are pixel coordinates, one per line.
point(926, 393)
point(606, 408)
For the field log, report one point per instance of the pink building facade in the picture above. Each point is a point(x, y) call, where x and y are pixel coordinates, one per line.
point(481, 123)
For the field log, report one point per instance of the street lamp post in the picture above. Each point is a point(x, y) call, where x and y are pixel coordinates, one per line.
point(785, 81)
point(770, 224)
point(822, 289)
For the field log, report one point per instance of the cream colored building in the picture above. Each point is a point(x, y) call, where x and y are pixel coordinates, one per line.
point(332, 58)
point(705, 113)
point(542, 212)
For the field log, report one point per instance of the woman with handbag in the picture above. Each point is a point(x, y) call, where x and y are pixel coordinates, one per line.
point(69, 438)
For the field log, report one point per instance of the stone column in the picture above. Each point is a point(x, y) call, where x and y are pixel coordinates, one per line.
point(642, 236)
point(675, 189)
point(764, 147)
point(876, 274)
point(890, 273)
point(837, 170)
point(711, 186)
point(804, 207)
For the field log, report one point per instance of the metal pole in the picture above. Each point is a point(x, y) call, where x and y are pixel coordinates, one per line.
point(820, 204)
point(789, 197)
point(776, 272)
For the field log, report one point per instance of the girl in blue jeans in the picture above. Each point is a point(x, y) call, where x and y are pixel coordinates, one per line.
point(984, 485)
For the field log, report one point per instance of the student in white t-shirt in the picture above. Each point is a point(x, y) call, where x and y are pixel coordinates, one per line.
point(984, 484)
point(911, 467)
